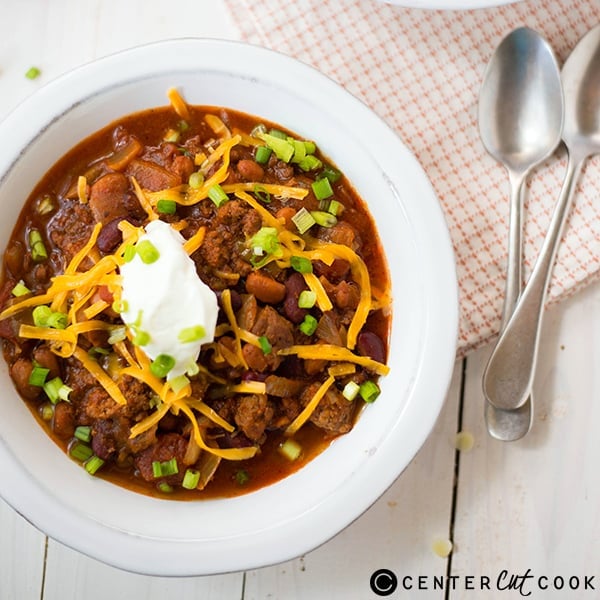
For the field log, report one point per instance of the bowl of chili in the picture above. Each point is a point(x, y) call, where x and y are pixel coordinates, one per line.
point(329, 276)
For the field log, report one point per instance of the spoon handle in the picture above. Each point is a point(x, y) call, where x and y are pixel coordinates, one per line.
point(511, 425)
point(508, 378)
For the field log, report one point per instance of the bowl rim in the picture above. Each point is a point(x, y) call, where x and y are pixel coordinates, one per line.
point(151, 556)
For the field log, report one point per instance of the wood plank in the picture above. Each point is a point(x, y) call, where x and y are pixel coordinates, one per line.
point(396, 533)
point(535, 504)
point(22, 549)
point(70, 574)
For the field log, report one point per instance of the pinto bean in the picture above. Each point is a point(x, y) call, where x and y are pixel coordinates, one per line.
point(20, 371)
point(370, 344)
point(107, 196)
point(13, 258)
point(183, 166)
point(286, 213)
point(265, 288)
point(63, 423)
point(47, 359)
point(294, 285)
point(250, 170)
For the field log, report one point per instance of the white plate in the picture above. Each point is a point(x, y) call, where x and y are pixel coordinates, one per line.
point(289, 518)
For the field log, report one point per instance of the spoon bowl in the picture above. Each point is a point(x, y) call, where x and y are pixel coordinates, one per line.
point(509, 375)
point(520, 123)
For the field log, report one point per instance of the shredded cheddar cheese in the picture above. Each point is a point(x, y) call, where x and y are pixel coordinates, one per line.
point(178, 104)
point(309, 408)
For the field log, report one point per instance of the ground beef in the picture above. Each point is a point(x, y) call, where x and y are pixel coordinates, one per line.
point(167, 446)
point(71, 227)
point(253, 414)
point(334, 413)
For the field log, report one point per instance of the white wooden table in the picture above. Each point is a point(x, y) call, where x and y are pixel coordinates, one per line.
point(528, 509)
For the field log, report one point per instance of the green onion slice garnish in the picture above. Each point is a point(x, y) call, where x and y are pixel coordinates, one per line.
point(266, 240)
point(38, 376)
point(283, 149)
point(80, 451)
point(322, 218)
point(196, 180)
point(33, 73)
point(310, 163)
point(147, 251)
point(166, 207)
point(265, 345)
point(20, 289)
point(309, 325)
point(242, 477)
point(37, 247)
point(191, 334)
point(83, 433)
point(307, 299)
point(369, 391)
point(322, 188)
point(261, 193)
point(303, 220)
point(335, 207)
point(351, 390)
point(128, 253)
point(92, 464)
point(301, 264)
point(178, 383)
point(262, 154)
point(290, 449)
point(161, 365)
point(217, 195)
point(330, 173)
point(191, 479)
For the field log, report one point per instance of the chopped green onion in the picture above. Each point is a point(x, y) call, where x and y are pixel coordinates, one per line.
point(191, 334)
point(51, 388)
point(20, 289)
point(334, 207)
point(310, 163)
point(193, 369)
point(156, 469)
point(282, 148)
point(217, 195)
point(128, 253)
point(178, 383)
point(117, 334)
point(161, 365)
point(307, 299)
point(63, 392)
point(147, 251)
point(266, 239)
point(301, 264)
point(310, 147)
point(40, 315)
point(330, 173)
point(196, 180)
point(45, 206)
point(242, 477)
point(191, 479)
point(299, 150)
point(262, 194)
point(290, 449)
point(83, 433)
point(97, 350)
point(57, 320)
point(351, 390)
point(303, 220)
point(309, 325)
point(258, 129)
point(172, 135)
point(32, 73)
point(47, 411)
point(369, 391)
point(141, 338)
point(120, 306)
point(278, 134)
point(36, 244)
point(80, 451)
point(324, 219)
point(265, 345)
point(262, 155)
point(166, 207)
point(183, 125)
point(38, 376)
point(322, 188)
point(164, 487)
point(92, 464)
point(169, 467)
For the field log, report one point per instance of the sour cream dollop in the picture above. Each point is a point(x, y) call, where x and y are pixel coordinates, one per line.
point(165, 301)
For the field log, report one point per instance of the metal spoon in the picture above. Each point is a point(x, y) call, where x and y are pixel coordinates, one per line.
point(509, 375)
point(520, 123)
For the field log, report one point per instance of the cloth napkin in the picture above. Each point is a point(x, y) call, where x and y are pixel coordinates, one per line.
point(421, 71)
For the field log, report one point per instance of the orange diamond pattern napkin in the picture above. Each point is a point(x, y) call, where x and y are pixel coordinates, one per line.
point(421, 71)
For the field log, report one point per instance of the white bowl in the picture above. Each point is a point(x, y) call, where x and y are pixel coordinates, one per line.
point(289, 518)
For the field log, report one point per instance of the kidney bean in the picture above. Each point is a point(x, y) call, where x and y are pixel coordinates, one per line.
point(13, 258)
point(370, 344)
point(294, 285)
point(110, 236)
point(250, 170)
point(265, 288)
